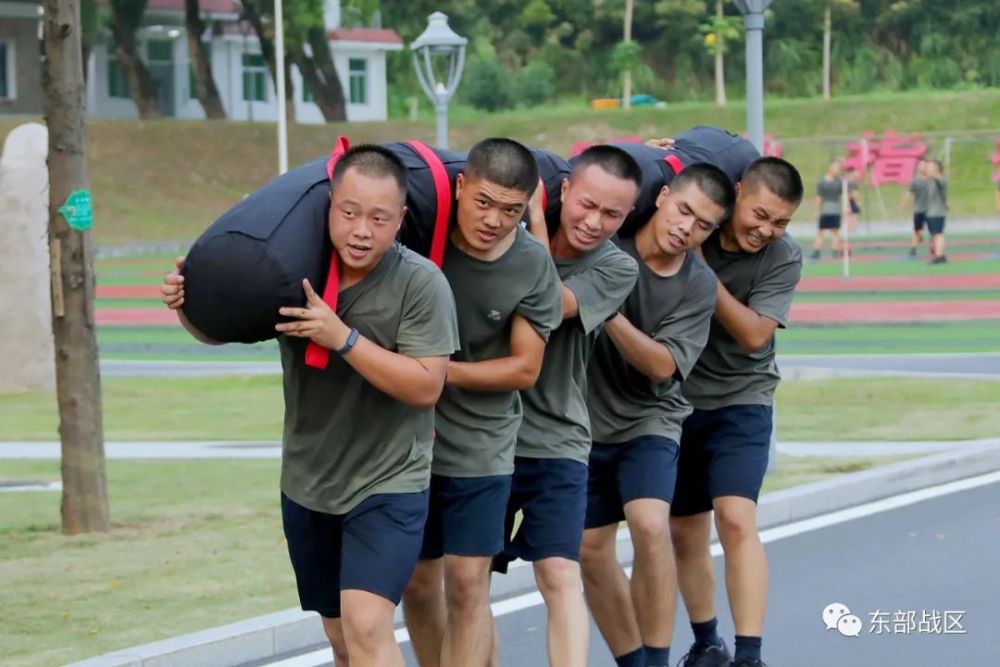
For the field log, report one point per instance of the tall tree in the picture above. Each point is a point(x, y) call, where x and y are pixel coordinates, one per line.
point(205, 88)
point(78, 380)
point(719, 31)
point(259, 14)
point(126, 18)
point(309, 48)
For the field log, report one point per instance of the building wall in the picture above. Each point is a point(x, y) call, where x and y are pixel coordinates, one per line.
point(376, 106)
point(22, 34)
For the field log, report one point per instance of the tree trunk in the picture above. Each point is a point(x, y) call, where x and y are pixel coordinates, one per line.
point(78, 380)
point(140, 83)
point(627, 78)
point(289, 92)
point(208, 93)
point(720, 64)
point(827, 29)
point(252, 13)
point(332, 90)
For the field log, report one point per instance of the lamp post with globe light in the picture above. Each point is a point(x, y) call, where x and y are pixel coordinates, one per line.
point(439, 44)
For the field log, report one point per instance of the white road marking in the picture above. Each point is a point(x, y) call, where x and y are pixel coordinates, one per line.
point(528, 600)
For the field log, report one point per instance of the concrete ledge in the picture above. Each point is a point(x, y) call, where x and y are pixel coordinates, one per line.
point(267, 637)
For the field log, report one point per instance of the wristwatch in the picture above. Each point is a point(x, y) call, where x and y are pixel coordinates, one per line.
point(352, 339)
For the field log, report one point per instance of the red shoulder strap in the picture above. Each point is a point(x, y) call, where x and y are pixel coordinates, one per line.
point(318, 356)
point(545, 194)
point(674, 162)
point(442, 191)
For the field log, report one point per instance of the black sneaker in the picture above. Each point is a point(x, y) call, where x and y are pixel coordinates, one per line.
point(814, 255)
point(913, 252)
point(706, 655)
point(748, 662)
point(939, 259)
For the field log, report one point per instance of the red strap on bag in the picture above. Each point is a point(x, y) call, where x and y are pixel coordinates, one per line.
point(674, 162)
point(318, 356)
point(545, 194)
point(442, 191)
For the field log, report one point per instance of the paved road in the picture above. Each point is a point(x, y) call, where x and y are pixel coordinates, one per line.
point(973, 365)
point(965, 365)
point(940, 554)
point(932, 551)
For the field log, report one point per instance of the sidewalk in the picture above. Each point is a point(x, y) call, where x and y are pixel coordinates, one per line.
point(272, 450)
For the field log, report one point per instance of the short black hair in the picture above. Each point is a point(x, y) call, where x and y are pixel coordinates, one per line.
point(712, 181)
point(611, 159)
point(779, 176)
point(504, 162)
point(374, 161)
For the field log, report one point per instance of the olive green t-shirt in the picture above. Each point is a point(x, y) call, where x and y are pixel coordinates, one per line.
point(675, 311)
point(477, 430)
point(555, 423)
point(829, 193)
point(765, 282)
point(918, 187)
point(937, 197)
point(345, 440)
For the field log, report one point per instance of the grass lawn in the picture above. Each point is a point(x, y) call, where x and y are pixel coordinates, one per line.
point(195, 544)
point(926, 337)
point(250, 408)
point(168, 179)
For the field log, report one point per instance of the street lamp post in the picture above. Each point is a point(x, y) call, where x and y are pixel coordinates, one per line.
point(439, 42)
point(753, 23)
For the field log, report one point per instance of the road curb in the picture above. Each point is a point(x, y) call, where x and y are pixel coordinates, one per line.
point(279, 634)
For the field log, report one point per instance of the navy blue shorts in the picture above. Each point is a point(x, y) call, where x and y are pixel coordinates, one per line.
point(829, 221)
point(373, 548)
point(644, 467)
point(466, 516)
point(935, 225)
point(723, 453)
point(919, 220)
point(551, 495)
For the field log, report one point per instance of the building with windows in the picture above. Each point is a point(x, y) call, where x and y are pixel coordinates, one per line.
point(240, 71)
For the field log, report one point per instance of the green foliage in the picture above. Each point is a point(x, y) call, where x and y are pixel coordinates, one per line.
point(486, 85)
point(535, 83)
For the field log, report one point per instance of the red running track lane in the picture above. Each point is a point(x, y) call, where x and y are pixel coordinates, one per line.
point(828, 284)
point(866, 312)
point(889, 312)
point(128, 292)
point(131, 317)
point(897, 283)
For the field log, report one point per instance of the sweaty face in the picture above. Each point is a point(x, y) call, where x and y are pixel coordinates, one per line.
point(594, 206)
point(365, 214)
point(684, 218)
point(487, 214)
point(761, 217)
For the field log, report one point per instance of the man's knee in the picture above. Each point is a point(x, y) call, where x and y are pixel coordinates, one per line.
point(467, 583)
point(690, 536)
point(736, 521)
point(557, 575)
point(334, 633)
point(425, 586)
point(597, 550)
point(367, 621)
point(650, 531)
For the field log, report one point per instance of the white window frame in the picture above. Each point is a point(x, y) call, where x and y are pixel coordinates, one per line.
point(11, 51)
point(362, 76)
point(254, 71)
